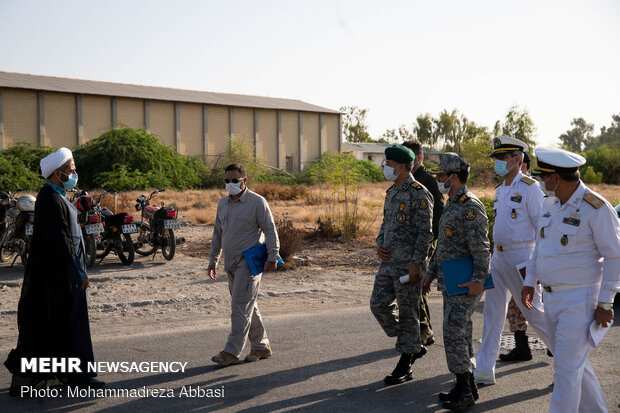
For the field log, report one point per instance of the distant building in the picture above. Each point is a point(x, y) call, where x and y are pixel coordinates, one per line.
point(375, 152)
point(43, 110)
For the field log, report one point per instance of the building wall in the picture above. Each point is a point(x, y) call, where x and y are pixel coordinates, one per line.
point(130, 112)
point(60, 119)
point(162, 121)
point(20, 115)
point(243, 123)
point(310, 148)
point(96, 115)
point(218, 132)
point(331, 132)
point(290, 138)
point(268, 136)
point(191, 129)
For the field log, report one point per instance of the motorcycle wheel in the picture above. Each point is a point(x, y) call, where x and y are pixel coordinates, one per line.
point(91, 250)
point(6, 254)
point(168, 244)
point(126, 255)
point(144, 230)
point(98, 242)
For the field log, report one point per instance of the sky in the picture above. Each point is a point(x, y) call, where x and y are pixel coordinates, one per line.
point(556, 59)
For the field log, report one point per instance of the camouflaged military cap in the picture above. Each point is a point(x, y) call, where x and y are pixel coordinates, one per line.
point(450, 162)
point(399, 153)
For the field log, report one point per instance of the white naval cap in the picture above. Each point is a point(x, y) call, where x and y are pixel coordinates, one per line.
point(54, 161)
point(503, 144)
point(551, 160)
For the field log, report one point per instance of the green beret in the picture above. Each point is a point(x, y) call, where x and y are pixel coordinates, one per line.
point(399, 153)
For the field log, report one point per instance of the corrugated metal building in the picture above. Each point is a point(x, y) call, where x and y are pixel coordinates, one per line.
point(288, 134)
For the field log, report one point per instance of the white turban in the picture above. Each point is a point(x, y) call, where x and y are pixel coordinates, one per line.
point(54, 161)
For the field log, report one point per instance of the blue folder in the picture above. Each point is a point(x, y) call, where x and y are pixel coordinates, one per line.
point(257, 257)
point(460, 271)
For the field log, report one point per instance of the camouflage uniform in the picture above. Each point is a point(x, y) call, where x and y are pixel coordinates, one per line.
point(515, 317)
point(406, 233)
point(463, 232)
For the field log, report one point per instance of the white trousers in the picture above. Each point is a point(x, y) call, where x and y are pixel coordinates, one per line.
point(507, 283)
point(569, 314)
point(245, 319)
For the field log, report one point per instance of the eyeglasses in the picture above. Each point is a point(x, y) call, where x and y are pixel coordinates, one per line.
point(234, 180)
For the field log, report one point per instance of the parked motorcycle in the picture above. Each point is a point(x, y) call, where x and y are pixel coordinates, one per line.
point(90, 222)
point(17, 226)
point(156, 228)
point(116, 236)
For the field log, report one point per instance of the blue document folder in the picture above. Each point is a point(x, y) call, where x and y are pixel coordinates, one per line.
point(460, 271)
point(256, 258)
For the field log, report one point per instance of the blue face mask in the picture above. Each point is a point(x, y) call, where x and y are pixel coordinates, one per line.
point(71, 182)
point(500, 167)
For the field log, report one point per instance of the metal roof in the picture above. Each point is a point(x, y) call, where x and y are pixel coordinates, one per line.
point(90, 87)
point(365, 147)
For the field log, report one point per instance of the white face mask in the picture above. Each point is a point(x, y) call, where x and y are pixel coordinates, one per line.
point(443, 188)
point(543, 187)
point(233, 189)
point(388, 173)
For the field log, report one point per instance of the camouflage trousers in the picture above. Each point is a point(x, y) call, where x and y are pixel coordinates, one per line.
point(396, 307)
point(515, 317)
point(457, 331)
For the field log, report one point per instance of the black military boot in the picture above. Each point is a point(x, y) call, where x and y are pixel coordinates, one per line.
point(463, 398)
point(402, 372)
point(445, 396)
point(521, 352)
point(473, 387)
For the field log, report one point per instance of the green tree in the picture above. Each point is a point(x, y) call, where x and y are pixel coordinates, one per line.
point(575, 139)
point(424, 129)
point(354, 124)
point(518, 124)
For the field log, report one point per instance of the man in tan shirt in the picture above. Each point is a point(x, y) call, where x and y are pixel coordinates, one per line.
point(242, 218)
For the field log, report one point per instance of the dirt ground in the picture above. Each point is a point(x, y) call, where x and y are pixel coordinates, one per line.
point(158, 294)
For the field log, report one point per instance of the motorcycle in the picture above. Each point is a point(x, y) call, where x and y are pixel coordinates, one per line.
point(17, 225)
point(116, 236)
point(156, 228)
point(90, 222)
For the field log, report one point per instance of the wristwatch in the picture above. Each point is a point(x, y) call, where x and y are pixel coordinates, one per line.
point(606, 306)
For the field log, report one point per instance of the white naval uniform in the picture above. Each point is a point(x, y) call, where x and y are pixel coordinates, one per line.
point(517, 208)
point(578, 251)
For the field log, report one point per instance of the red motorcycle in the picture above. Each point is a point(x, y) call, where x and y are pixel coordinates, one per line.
point(156, 228)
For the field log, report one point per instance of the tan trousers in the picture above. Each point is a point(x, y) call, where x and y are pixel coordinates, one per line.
point(245, 318)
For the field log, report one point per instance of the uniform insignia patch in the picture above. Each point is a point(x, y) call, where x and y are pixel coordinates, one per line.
point(496, 142)
point(528, 180)
point(400, 217)
point(406, 197)
point(447, 232)
point(388, 196)
point(423, 203)
point(464, 198)
point(517, 197)
point(576, 215)
point(564, 240)
point(572, 221)
point(416, 185)
point(547, 215)
point(593, 200)
point(542, 233)
point(470, 214)
point(513, 214)
point(402, 206)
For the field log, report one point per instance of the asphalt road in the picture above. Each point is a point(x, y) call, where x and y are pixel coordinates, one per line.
point(324, 361)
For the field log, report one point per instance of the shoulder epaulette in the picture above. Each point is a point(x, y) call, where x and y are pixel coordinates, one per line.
point(416, 185)
point(464, 198)
point(593, 200)
point(528, 180)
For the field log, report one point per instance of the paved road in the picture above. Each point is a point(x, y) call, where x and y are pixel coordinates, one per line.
point(325, 361)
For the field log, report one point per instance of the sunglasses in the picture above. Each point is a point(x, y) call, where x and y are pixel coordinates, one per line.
point(234, 180)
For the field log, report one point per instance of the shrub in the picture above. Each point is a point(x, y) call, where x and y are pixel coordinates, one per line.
point(241, 150)
point(20, 166)
point(129, 158)
point(277, 177)
point(276, 192)
point(290, 237)
point(591, 177)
